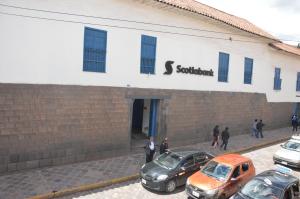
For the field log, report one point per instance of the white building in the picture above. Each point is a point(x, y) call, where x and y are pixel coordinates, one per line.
point(86, 79)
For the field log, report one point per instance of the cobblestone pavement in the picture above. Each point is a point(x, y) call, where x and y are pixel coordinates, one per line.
point(262, 160)
point(29, 183)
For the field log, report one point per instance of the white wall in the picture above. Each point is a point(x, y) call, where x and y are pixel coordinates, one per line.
point(39, 51)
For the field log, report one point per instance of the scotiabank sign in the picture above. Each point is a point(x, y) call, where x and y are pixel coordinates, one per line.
point(188, 70)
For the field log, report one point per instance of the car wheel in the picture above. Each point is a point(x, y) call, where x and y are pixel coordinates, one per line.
point(170, 186)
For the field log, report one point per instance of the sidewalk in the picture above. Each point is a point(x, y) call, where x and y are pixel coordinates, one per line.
point(34, 182)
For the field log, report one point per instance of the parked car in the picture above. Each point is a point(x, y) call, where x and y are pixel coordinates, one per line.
point(271, 184)
point(221, 177)
point(171, 169)
point(289, 154)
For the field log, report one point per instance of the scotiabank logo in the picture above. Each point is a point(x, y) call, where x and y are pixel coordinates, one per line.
point(188, 70)
point(169, 68)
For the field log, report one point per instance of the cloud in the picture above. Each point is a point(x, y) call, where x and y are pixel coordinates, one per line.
point(287, 5)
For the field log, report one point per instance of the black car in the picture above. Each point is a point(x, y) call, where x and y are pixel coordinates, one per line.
point(271, 184)
point(171, 169)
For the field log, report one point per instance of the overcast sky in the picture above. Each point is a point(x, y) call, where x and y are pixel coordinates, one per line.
point(281, 18)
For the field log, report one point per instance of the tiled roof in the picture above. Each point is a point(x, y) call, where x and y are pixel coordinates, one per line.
point(286, 47)
point(202, 9)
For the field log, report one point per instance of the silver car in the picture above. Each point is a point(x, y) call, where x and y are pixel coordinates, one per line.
point(289, 154)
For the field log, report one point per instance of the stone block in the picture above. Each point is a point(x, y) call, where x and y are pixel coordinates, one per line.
point(14, 158)
point(12, 167)
point(45, 162)
point(21, 166)
point(3, 169)
point(32, 164)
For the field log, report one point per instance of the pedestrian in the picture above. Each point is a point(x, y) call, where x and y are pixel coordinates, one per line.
point(164, 146)
point(216, 133)
point(149, 150)
point(254, 129)
point(259, 127)
point(225, 137)
point(295, 122)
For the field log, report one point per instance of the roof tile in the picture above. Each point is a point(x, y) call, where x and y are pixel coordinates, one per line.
point(202, 9)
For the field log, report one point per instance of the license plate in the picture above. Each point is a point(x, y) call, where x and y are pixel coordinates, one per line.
point(196, 194)
point(285, 163)
point(144, 181)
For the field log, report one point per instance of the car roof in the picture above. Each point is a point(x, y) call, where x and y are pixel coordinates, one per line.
point(277, 179)
point(295, 138)
point(184, 153)
point(231, 159)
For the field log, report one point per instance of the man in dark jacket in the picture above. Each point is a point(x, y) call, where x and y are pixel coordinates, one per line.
point(216, 133)
point(259, 127)
point(225, 137)
point(295, 122)
point(164, 146)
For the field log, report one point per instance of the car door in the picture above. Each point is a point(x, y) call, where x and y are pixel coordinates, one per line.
point(186, 169)
point(246, 173)
point(234, 181)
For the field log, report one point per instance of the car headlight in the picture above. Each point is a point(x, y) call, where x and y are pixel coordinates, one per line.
point(188, 181)
point(212, 192)
point(162, 177)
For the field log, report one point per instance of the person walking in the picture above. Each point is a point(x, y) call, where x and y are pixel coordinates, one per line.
point(225, 137)
point(254, 129)
point(149, 150)
point(295, 122)
point(164, 146)
point(259, 127)
point(216, 133)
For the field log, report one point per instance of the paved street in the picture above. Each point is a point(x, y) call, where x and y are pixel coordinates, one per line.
point(262, 160)
point(40, 181)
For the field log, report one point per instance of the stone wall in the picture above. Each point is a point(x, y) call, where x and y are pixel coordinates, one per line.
point(46, 125)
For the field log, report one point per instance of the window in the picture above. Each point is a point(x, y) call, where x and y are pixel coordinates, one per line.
point(248, 66)
point(298, 82)
point(223, 67)
point(236, 172)
point(188, 162)
point(199, 158)
point(148, 54)
point(245, 167)
point(277, 80)
point(94, 55)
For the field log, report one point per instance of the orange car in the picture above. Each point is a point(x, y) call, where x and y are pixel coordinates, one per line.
point(221, 177)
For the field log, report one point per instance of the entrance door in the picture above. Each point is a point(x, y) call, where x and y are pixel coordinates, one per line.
point(144, 121)
point(296, 109)
point(153, 118)
point(137, 118)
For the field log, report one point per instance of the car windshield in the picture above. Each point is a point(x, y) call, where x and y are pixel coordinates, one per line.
point(216, 170)
point(295, 146)
point(168, 160)
point(259, 189)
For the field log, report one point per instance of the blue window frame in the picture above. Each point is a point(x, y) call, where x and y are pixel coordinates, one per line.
point(277, 80)
point(94, 55)
point(248, 68)
point(148, 54)
point(298, 82)
point(223, 67)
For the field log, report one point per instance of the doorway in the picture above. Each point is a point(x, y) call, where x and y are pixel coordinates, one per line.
point(144, 121)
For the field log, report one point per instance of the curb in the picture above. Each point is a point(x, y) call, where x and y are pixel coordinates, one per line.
point(98, 185)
